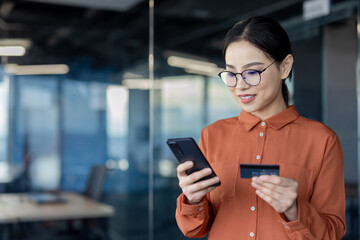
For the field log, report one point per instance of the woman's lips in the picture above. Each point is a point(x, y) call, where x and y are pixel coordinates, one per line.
point(247, 98)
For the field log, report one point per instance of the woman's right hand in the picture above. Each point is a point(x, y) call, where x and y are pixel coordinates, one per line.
point(195, 192)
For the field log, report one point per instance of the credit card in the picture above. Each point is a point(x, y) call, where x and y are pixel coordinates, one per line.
point(256, 170)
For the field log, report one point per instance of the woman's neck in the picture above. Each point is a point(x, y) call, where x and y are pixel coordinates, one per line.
point(270, 111)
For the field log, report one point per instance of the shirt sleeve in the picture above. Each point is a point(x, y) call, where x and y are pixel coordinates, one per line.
point(323, 217)
point(194, 220)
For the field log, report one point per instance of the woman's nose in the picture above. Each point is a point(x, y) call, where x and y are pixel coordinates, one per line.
point(241, 84)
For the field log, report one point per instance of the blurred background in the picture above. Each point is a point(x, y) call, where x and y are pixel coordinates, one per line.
point(78, 89)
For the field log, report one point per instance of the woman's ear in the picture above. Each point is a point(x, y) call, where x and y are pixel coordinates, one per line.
point(286, 66)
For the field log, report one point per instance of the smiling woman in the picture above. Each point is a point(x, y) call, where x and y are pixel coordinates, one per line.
point(307, 200)
point(265, 99)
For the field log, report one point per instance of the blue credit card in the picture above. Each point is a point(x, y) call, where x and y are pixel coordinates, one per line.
point(256, 170)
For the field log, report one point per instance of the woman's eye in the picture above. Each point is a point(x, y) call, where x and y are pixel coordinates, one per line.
point(251, 72)
point(230, 74)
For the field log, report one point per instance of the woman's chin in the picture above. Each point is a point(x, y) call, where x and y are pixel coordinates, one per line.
point(248, 108)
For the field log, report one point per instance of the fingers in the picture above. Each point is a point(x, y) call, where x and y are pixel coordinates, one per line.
point(268, 188)
point(194, 189)
point(269, 199)
point(276, 180)
point(275, 192)
point(279, 192)
point(183, 167)
point(193, 180)
point(203, 184)
point(196, 197)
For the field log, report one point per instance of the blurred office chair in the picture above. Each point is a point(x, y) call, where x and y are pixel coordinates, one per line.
point(92, 229)
point(95, 182)
point(95, 228)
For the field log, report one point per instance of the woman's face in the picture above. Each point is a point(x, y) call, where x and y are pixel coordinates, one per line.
point(265, 99)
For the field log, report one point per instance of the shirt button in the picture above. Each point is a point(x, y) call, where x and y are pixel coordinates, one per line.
point(201, 208)
point(258, 157)
point(251, 234)
point(261, 134)
point(252, 208)
point(262, 123)
point(286, 226)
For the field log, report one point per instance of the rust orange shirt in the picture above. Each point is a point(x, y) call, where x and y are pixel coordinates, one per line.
point(306, 151)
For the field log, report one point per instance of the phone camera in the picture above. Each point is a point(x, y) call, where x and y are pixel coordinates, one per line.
point(176, 149)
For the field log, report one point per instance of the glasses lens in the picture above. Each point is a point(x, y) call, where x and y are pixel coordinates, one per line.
point(251, 77)
point(228, 78)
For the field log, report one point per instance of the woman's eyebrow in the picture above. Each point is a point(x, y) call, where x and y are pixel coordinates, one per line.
point(229, 66)
point(246, 65)
point(252, 64)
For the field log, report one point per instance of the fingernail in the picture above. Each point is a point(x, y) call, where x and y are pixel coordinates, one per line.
point(189, 163)
point(216, 179)
point(208, 170)
point(263, 177)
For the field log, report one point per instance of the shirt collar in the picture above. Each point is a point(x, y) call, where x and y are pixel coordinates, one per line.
point(277, 121)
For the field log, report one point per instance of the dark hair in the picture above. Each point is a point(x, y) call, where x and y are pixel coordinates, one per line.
point(266, 34)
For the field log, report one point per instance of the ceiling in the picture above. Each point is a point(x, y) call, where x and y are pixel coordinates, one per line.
point(115, 33)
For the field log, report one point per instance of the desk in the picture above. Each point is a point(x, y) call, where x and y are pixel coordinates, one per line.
point(17, 208)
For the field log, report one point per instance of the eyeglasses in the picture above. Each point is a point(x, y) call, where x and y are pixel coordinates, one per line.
point(250, 76)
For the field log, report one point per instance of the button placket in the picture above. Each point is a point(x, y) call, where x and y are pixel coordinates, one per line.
point(253, 213)
point(261, 135)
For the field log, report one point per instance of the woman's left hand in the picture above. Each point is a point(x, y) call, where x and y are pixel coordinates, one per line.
point(279, 192)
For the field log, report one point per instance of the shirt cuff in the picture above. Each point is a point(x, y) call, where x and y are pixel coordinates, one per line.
point(187, 209)
point(298, 224)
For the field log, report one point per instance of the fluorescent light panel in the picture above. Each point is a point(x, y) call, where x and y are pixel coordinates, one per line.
point(48, 69)
point(136, 83)
point(142, 84)
point(12, 51)
point(194, 66)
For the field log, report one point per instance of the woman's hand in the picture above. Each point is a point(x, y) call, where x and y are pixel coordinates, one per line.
point(279, 192)
point(195, 192)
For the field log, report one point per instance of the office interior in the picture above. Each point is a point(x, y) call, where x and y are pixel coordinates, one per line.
point(105, 83)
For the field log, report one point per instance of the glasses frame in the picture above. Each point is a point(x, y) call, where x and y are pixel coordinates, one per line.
point(241, 74)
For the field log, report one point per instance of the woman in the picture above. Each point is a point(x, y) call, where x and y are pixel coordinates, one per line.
point(307, 200)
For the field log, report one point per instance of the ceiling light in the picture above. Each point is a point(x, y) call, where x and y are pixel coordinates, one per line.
point(49, 69)
point(142, 84)
point(113, 5)
point(194, 66)
point(176, 61)
point(26, 43)
point(12, 51)
point(132, 75)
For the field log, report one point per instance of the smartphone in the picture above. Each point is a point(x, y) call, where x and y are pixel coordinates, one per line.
point(186, 149)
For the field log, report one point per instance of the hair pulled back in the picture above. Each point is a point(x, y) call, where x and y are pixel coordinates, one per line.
point(266, 34)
